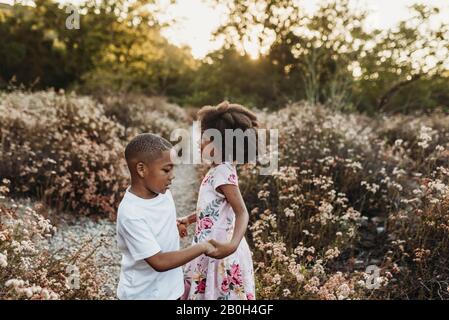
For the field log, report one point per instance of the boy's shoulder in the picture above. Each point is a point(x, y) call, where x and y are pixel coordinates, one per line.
point(169, 195)
point(126, 210)
point(129, 209)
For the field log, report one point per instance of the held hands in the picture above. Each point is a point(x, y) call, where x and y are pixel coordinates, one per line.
point(221, 251)
point(208, 248)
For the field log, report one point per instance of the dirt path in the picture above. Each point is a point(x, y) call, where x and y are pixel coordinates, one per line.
point(185, 191)
point(71, 236)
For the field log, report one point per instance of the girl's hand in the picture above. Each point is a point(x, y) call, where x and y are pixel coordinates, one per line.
point(222, 249)
point(182, 227)
point(183, 220)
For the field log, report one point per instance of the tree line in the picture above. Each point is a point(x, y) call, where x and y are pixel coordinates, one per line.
point(327, 57)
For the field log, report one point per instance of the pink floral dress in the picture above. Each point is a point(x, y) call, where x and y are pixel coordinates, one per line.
point(230, 278)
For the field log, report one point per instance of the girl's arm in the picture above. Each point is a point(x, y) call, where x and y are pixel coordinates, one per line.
point(164, 261)
point(234, 197)
point(187, 220)
point(184, 222)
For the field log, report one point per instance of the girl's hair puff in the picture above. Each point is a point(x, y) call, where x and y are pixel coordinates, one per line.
point(229, 116)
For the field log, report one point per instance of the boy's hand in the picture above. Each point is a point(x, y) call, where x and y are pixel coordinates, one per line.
point(182, 227)
point(222, 249)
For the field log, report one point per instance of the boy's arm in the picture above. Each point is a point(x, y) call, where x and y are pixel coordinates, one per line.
point(164, 261)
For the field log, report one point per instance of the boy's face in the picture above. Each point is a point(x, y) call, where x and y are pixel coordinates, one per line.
point(157, 174)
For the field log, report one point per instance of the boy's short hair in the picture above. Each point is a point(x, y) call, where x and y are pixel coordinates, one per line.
point(146, 147)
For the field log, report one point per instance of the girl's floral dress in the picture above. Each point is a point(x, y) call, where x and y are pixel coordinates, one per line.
point(230, 278)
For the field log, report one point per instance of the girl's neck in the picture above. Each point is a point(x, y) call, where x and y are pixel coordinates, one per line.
point(216, 164)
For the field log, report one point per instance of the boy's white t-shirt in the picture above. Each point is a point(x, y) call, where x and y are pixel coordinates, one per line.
point(145, 227)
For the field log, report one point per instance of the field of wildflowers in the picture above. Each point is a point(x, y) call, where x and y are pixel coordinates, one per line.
point(30, 269)
point(63, 153)
point(353, 196)
point(67, 150)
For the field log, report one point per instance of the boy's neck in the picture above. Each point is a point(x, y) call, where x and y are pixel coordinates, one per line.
point(142, 192)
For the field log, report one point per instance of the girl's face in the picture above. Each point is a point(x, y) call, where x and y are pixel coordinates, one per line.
point(208, 150)
point(204, 143)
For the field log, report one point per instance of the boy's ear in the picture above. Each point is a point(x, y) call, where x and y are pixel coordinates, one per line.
point(140, 169)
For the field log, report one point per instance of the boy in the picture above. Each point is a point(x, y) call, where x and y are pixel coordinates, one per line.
point(147, 233)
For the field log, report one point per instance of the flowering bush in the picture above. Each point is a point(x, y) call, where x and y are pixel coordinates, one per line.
point(66, 151)
point(351, 193)
point(418, 229)
point(29, 269)
point(61, 149)
point(143, 114)
point(344, 198)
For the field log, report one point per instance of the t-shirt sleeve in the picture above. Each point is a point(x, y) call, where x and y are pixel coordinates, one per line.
point(139, 239)
point(224, 174)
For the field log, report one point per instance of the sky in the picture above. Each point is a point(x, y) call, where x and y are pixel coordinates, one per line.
point(197, 20)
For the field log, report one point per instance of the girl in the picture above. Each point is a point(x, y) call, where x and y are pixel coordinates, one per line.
point(221, 217)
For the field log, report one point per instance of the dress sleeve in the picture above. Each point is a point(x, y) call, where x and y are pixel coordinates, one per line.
point(225, 173)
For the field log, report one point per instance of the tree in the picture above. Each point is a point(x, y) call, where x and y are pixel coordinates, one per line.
point(411, 55)
point(227, 74)
point(118, 47)
point(312, 54)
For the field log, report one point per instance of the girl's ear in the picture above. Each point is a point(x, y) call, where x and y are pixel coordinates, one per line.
point(140, 168)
